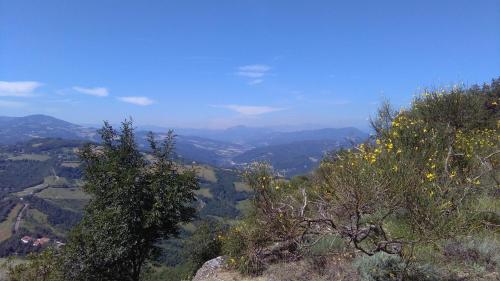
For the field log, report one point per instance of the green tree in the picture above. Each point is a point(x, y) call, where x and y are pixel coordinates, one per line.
point(205, 243)
point(136, 201)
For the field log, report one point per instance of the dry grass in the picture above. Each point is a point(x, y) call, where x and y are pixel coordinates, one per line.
point(242, 187)
point(306, 270)
point(205, 192)
point(207, 173)
point(321, 269)
point(189, 227)
point(71, 164)
point(244, 206)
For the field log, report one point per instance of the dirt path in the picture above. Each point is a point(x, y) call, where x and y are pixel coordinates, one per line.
point(19, 217)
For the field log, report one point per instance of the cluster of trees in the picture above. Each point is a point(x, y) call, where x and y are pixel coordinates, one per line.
point(44, 145)
point(134, 204)
point(6, 206)
point(19, 174)
point(225, 196)
point(56, 216)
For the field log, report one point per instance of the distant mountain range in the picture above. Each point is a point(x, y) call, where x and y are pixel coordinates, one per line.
point(290, 152)
point(20, 129)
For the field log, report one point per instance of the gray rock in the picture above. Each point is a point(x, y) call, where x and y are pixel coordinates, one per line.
point(209, 270)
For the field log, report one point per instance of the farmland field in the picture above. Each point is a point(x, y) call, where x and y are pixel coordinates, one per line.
point(205, 192)
point(242, 187)
point(63, 193)
point(34, 157)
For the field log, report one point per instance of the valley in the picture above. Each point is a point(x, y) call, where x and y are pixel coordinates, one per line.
point(41, 177)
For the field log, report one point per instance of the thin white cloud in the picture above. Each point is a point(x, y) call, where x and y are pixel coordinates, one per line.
point(340, 102)
point(98, 91)
point(250, 110)
point(18, 88)
point(253, 71)
point(11, 104)
point(142, 101)
point(255, 81)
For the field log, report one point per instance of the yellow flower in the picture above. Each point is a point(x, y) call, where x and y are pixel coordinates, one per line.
point(377, 141)
point(389, 146)
point(399, 151)
point(430, 176)
point(277, 187)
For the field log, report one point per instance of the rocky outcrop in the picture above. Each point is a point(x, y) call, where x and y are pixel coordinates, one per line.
point(210, 270)
point(216, 270)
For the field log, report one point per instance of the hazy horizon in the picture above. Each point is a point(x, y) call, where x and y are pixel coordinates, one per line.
point(221, 64)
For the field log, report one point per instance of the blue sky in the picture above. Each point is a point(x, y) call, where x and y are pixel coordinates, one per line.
point(223, 63)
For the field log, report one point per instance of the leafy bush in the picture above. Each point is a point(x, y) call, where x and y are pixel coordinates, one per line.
point(45, 266)
point(271, 230)
point(242, 244)
point(205, 243)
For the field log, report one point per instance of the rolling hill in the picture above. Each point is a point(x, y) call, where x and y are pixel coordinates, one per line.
point(20, 129)
point(293, 158)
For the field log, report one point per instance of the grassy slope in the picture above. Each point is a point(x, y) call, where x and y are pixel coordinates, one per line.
point(72, 193)
point(35, 157)
point(8, 224)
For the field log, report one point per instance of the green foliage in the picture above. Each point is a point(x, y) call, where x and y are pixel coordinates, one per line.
point(45, 266)
point(427, 170)
point(385, 267)
point(134, 204)
point(269, 222)
point(242, 244)
point(20, 174)
point(205, 243)
point(421, 181)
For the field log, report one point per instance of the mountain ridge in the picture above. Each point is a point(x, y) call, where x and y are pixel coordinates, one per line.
point(293, 152)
